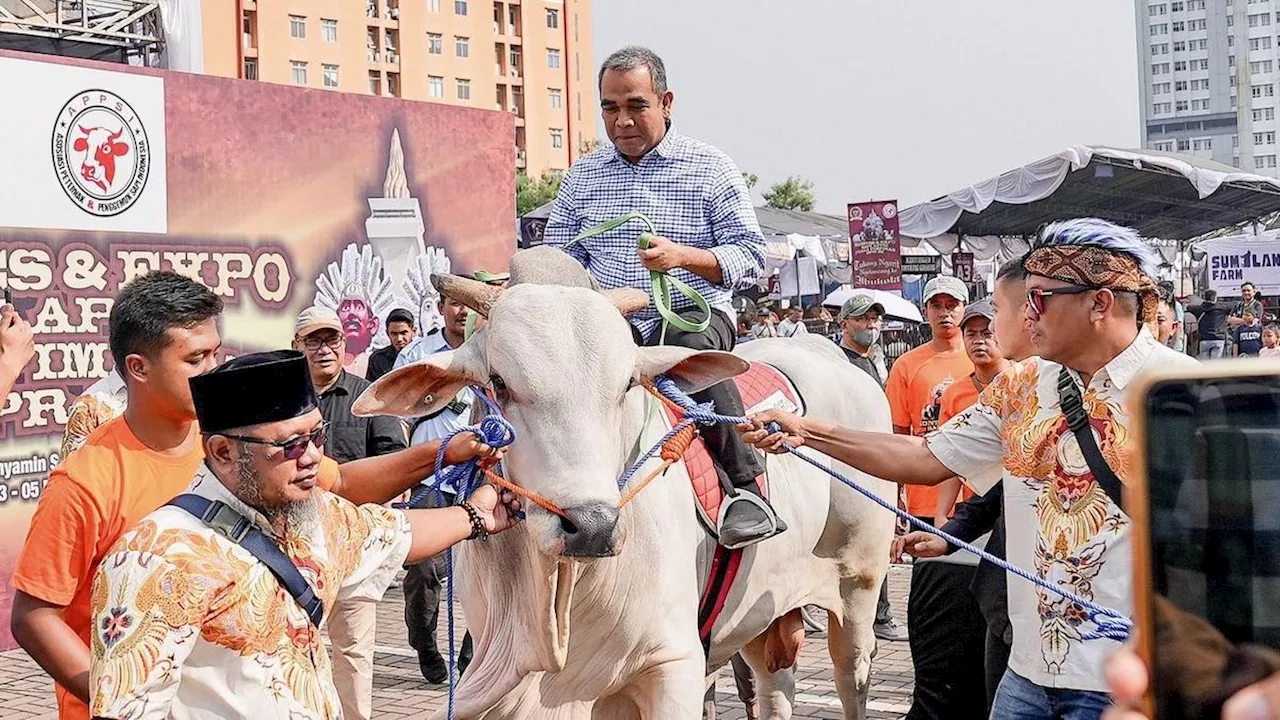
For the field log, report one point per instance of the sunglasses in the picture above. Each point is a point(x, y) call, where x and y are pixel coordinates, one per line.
point(293, 449)
point(1036, 296)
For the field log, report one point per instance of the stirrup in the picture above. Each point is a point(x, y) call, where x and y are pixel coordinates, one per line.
point(776, 524)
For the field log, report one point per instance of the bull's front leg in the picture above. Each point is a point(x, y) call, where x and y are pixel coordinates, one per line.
point(670, 690)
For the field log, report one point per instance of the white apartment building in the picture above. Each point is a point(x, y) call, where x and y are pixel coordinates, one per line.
point(1209, 79)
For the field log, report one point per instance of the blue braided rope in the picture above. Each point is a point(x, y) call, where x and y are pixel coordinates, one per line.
point(496, 432)
point(1110, 623)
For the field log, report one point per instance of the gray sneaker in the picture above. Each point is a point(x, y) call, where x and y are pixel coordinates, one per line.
point(890, 631)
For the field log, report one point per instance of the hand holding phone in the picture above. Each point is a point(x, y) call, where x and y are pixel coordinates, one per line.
point(1128, 680)
point(17, 345)
point(1206, 535)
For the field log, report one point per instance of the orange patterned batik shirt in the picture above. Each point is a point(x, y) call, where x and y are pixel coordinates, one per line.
point(1061, 525)
point(187, 624)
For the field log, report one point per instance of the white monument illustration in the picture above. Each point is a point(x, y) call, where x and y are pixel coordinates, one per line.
point(423, 298)
point(394, 227)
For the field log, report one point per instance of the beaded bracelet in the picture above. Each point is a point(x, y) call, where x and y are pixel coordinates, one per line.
point(478, 530)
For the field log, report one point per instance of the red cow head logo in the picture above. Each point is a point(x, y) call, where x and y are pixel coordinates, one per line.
point(101, 148)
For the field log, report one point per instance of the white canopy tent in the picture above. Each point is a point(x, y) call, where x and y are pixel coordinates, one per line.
point(1162, 195)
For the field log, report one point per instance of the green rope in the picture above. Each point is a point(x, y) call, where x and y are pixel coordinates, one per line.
point(662, 282)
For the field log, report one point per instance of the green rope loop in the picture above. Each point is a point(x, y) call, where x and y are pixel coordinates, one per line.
point(662, 282)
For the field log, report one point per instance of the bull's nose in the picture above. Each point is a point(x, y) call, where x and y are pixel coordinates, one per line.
point(590, 530)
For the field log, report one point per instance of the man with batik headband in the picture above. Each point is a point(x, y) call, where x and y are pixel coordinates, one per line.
point(1052, 428)
point(213, 605)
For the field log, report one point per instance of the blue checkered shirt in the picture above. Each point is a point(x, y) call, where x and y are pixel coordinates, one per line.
point(693, 193)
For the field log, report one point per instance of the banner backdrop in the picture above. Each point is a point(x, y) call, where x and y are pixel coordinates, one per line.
point(1231, 262)
point(877, 248)
point(275, 197)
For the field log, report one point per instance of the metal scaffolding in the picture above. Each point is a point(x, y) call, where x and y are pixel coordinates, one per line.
point(125, 31)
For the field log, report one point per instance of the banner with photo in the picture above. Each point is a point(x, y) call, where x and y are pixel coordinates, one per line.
point(877, 249)
point(273, 196)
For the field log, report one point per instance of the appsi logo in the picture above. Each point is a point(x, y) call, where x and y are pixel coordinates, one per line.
point(100, 152)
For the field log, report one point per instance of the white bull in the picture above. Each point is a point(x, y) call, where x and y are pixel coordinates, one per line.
point(561, 635)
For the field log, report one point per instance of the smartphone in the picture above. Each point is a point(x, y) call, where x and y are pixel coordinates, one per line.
point(1204, 502)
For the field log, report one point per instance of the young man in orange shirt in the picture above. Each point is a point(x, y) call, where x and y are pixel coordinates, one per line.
point(977, 327)
point(918, 378)
point(163, 331)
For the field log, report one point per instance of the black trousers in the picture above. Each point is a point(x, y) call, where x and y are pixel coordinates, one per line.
point(998, 647)
point(948, 643)
point(884, 613)
point(423, 586)
point(743, 678)
point(736, 462)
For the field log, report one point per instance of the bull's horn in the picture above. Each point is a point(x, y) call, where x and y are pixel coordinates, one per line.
point(628, 300)
point(474, 294)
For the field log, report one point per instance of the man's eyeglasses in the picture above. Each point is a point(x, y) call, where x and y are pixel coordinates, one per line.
point(1036, 296)
point(312, 342)
point(293, 449)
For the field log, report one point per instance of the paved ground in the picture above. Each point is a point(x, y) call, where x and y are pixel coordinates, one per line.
point(400, 692)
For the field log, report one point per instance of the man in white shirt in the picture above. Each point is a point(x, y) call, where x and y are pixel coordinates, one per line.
point(1088, 285)
point(793, 324)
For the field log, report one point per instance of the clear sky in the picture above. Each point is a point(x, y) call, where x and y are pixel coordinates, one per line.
point(884, 99)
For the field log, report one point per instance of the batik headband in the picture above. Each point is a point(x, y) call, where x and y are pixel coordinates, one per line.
point(1092, 266)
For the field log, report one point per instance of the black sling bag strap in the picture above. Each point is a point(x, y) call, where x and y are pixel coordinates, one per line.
point(236, 528)
point(1073, 409)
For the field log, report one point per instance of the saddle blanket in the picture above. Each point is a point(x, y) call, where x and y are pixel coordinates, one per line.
point(763, 387)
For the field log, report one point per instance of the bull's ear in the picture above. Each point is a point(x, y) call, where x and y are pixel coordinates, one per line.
point(692, 370)
point(423, 387)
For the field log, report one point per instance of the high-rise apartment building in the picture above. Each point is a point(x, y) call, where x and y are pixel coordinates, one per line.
point(1209, 74)
point(531, 58)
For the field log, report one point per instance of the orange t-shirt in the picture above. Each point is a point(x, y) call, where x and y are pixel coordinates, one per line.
point(92, 498)
point(958, 396)
point(915, 387)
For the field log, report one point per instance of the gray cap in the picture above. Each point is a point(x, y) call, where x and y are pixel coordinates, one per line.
point(858, 305)
point(946, 285)
point(980, 308)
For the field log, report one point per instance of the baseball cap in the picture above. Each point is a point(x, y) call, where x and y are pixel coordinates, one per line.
point(316, 317)
point(980, 308)
point(857, 306)
point(946, 285)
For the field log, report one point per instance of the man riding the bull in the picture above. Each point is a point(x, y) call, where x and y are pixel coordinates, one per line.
point(706, 234)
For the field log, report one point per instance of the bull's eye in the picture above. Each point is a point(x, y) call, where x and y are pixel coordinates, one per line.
point(499, 389)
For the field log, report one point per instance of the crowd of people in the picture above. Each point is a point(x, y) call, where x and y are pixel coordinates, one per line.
point(210, 523)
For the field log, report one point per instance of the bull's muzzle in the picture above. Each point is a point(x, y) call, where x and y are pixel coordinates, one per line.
point(590, 530)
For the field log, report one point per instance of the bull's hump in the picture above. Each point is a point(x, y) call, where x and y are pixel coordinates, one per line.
point(545, 265)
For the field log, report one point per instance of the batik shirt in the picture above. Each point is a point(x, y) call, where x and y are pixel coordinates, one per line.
point(189, 625)
point(1061, 525)
point(104, 400)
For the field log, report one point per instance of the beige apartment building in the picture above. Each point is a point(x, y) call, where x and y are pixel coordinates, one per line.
point(531, 58)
